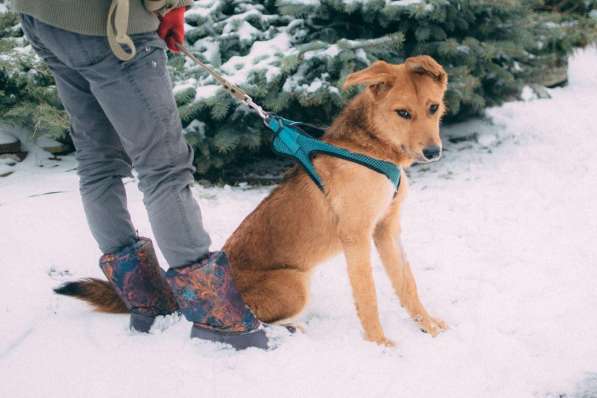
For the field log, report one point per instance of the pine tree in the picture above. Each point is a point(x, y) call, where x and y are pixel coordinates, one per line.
point(559, 27)
point(28, 96)
point(293, 55)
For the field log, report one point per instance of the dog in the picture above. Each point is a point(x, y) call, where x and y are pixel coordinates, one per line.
point(273, 252)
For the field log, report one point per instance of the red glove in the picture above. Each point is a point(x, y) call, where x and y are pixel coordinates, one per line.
point(171, 28)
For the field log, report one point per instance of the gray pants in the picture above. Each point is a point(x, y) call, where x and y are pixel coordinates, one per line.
point(123, 115)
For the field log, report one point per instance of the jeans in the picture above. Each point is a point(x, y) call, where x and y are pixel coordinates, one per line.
point(124, 116)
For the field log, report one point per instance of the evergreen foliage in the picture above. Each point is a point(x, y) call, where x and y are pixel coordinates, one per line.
point(28, 96)
point(293, 55)
point(490, 49)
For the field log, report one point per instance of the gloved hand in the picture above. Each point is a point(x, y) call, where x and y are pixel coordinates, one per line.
point(171, 28)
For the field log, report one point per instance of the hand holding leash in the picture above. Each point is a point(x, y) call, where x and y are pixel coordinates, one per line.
point(171, 28)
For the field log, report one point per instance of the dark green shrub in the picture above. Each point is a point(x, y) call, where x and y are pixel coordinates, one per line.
point(292, 57)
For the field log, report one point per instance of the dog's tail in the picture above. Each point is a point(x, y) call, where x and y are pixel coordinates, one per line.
point(100, 294)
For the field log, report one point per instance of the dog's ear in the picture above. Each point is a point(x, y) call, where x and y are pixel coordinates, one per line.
point(425, 65)
point(378, 78)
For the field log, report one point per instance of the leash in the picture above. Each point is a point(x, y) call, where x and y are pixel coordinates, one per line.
point(292, 141)
point(232, 88)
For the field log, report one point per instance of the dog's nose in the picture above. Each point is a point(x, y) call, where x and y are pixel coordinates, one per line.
point(432, 152)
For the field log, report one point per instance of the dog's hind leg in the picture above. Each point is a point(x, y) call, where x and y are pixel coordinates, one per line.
point(386, 237)
point(275, 296)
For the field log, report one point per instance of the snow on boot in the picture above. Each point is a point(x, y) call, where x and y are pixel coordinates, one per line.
point(208, 297)
point(139, 281)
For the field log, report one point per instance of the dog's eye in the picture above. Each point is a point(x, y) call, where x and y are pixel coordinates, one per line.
point(433, 108)
point(403, 113)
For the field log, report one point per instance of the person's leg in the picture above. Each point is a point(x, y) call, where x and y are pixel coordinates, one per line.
point(129, 262)
point(144, 114)
point(137, 98)
point(102, 161)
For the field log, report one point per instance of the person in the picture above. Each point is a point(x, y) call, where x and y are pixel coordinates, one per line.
point(109, 62)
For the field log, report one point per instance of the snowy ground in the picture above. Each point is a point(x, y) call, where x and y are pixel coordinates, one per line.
point(502, 243)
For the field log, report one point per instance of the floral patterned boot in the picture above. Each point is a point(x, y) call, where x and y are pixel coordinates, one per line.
point(138, 279)
point(208, 297)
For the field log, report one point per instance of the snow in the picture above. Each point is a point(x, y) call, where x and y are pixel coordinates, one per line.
point(259, 57)
point(403, 3)
point(203, 91)
point(202, 8)
point(6, 138)
point(182, 86)
point(528, 94)
point(303, 2)
point(315, 85)
point(46, 142)
point(264, 48)
point(500, 235)
point(246, 32)
point(207, 91)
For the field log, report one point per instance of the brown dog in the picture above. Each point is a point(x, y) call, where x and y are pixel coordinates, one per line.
point(272, 253)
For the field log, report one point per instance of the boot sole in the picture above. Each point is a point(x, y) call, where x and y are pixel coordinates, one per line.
point(238, 341)
point(141, 323)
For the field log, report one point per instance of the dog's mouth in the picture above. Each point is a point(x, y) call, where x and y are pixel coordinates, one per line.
point(423, 160)
point(418, 157)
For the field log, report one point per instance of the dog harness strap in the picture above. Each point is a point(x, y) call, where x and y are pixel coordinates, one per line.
point(291, 141)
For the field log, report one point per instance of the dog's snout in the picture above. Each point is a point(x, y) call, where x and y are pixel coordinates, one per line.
point(432, 152)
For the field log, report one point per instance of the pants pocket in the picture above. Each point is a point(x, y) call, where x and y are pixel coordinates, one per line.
point(151, 58)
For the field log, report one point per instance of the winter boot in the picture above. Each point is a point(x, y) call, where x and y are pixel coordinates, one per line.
point(208, 297)
point(138, 279)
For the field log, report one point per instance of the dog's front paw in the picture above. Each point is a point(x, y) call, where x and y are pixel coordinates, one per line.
point(383, 341)
point(431, 325)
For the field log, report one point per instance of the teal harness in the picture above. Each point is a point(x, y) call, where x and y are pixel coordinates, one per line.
point(293, 142)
